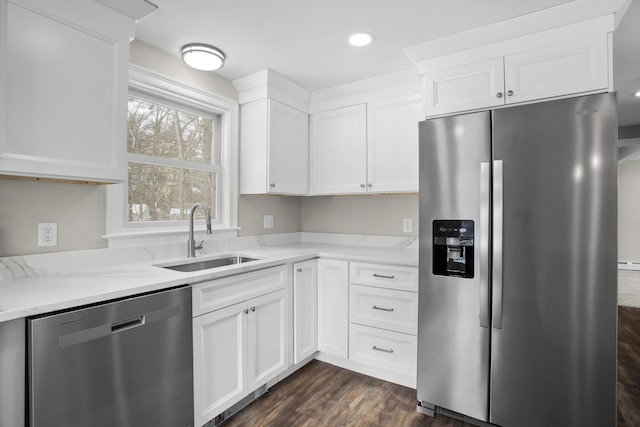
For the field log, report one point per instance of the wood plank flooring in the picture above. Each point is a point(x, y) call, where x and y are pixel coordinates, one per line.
point(322, 395)
point(628, 367)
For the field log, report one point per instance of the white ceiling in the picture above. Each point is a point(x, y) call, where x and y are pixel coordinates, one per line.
point(305, 40)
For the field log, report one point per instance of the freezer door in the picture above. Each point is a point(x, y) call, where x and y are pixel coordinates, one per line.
point(554, 310)
point(453, 328)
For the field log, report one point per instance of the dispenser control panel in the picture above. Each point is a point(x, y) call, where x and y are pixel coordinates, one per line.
point(453, 243)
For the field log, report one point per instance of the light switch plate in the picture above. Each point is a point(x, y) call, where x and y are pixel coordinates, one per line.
point(268, 221)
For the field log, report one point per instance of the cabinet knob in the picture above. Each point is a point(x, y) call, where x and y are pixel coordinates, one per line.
point(369, 184)
point(272, 185)
point(361, 185)
point(509, 93)
point(252, 309)
point(299, 270)
point(499, 95)
point(245, 311)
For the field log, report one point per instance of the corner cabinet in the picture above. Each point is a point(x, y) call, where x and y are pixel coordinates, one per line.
point(63, 89)
point(239, 338)
point(338, 160)
point(366, 148)
point(561, 62)
point(274, 140)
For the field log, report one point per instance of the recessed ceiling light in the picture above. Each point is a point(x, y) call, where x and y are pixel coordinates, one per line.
point(202, 57)
point(637, 94)
point(360, 39)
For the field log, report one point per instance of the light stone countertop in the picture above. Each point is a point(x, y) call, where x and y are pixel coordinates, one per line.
point(45, 290)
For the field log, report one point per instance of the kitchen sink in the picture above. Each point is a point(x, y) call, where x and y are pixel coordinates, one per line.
point(209, 263)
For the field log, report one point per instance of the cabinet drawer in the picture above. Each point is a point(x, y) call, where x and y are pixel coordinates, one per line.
point(392, 351)
point(384, 308)
point(384, 276)
point(219, 293)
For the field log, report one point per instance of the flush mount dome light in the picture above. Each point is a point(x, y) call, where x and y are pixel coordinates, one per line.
point(202, 57)
point(360, 39)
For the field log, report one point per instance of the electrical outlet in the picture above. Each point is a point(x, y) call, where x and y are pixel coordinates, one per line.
point(268, 221)
point(47, 234)
point(407, 225)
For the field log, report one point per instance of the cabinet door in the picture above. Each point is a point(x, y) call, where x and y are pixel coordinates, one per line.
point(288, 150)
point(333, 307)
point(268, 351)
point(467, 87)
point(562, 69)
point(305, 308)
point(338, 161)
point(392, 147)
point(64, 112)
point(219, 361)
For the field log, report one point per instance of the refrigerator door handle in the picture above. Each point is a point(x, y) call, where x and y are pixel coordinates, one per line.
point(485, 170)
point(498, 207)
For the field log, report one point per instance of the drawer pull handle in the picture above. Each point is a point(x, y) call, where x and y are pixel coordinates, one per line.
point(383, 276)
point(386, 350)
point(375, 307)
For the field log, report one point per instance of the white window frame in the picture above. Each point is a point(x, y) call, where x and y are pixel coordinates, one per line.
point(146, 82)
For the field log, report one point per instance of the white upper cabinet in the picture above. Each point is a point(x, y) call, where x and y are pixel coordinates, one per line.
point(561, 69)
point(392, 144)
point(63, 89)
point(274, 140)
point(556, 63)
point(338, 161)
point(366, 148)
point(465, 87)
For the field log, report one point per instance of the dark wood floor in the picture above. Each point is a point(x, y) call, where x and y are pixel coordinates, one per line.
point(324, 395)
point(628, 367)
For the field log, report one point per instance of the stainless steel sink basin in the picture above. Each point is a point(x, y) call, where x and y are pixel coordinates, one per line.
point(209, 263)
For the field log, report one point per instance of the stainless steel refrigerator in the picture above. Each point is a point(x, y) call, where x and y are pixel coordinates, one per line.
point(518, 268)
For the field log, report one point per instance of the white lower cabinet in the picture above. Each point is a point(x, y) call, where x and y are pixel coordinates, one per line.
point(305, 308)
point(387, 350)
point(333, 307)
point(237, 349)
point(383, 316)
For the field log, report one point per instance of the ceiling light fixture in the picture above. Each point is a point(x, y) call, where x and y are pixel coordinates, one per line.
point(360, 39)
point(637, 94)
point(202, 57)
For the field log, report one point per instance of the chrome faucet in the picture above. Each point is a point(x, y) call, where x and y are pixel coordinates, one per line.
point(191, 244)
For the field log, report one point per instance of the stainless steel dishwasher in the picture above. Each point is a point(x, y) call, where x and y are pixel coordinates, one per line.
point(123, 363)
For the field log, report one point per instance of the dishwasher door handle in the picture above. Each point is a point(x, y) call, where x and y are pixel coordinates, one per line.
point(127, 324)
point(107, 329)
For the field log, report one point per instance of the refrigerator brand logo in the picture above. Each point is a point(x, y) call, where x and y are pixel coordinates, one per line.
point(587, 111)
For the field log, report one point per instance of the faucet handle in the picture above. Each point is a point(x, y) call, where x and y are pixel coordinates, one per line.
point(198, 247)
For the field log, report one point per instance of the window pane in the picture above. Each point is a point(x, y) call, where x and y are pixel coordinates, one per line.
point(162, 193)
point(163, 131)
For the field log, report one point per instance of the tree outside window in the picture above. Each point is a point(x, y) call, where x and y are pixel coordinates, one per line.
point(174, 160)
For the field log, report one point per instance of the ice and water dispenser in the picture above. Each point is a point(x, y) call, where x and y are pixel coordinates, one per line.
point(453, 248)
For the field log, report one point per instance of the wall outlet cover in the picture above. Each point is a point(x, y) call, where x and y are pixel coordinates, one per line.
point(268, 221)
point(47, 234)
point(407, 225)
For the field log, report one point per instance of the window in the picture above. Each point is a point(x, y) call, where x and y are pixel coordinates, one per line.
point(181, 145)
point(173, 160)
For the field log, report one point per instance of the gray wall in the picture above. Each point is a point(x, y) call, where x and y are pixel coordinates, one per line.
point(629, 211)
point(251, 211)
point(379, 215)
point(78, 209)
